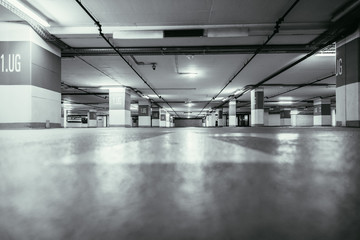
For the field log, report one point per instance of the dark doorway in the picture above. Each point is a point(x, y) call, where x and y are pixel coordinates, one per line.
point(243, 120)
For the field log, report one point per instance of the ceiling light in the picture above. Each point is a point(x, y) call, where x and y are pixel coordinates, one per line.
point(29, 12)
point(238, 92)
point(228, 32)
point(225, 99)
point(285, 102)
point(294, 112)
point(146, 97)
point(138, 34)
point(285, 98)
point(326, 54)
point(190, 74)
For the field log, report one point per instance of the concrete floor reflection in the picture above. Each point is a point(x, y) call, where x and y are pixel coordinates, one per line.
point(194, 183)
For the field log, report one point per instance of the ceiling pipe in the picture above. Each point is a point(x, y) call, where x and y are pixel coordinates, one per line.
point(97, 23)
point(337, 31)
point(275, 31)
point(82, 90)
point(152, 64)
point(304, 85)
point(186, 50)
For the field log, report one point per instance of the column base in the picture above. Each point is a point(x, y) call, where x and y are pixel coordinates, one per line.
point(258, 125)
point(353, 123)
point(120, 125)
point(39, 125)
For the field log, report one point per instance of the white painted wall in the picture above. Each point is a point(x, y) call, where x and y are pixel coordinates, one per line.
point(232, 121)
point(144, 121)
point(353, 101)
point(274, 120)
point(322, 120)
point(304, 120)
point(120, 117)
point(26, 103)
point(155, 122)
point(257, 117)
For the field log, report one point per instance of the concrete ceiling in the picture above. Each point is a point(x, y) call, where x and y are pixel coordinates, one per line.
point(304, 23)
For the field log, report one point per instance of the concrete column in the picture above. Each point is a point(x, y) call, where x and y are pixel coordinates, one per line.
point(285, 117)
point(348, 81)
point(162, 117)
point(119, 108)
point(65, 118)
point(322, 112)
point(213, 119)
point(62, 117)
point(144, 113)
point(155, 115)
point(333, 116)
point(257, 107)
point(92, 119)
point(220, 117)
point(172, 121)
point(225, 116)
point(232, 113)
point(167, 124)
point(266, 117)
point(30, 79)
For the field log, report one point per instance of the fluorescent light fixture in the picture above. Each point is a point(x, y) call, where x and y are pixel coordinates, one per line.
point(238, 92)
point(110, 87)
point(146, 97)
point(326, 54)
point(285, 98)
point(190, 74)
point(225, 99)
point(285, 102)
point(228, 32)
point(29, 12)
point(138, 34)
point(134, 107)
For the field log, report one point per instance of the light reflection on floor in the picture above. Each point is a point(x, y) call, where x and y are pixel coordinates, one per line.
point(238, 183)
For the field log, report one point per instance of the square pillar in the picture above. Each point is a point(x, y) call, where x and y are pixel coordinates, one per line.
point(322, 112)
point(155, 117)
point(162, 117)
point(257, 107)
point(232, 113)
point(285, 117)
point(220, 117)
point(92, 119)
point(144, 113)
point(30, 79)
point(348, 81)
point(119, 107)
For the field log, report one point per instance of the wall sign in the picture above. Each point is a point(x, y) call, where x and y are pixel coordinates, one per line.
point(15, 63)
point(10, 63)
point(155, 115)
point(144, 110)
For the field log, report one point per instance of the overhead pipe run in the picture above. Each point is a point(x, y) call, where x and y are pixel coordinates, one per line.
point(186, 50)
point(275, 31)
point(97, 23)
point(304, 85)
point(343, 27)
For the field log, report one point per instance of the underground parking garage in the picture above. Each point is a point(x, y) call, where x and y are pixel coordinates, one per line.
point(179, 119)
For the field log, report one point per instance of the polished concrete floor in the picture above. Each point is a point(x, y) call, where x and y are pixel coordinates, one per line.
point(188, 183)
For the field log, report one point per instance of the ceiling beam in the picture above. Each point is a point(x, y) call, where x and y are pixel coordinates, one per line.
point(181, 50)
